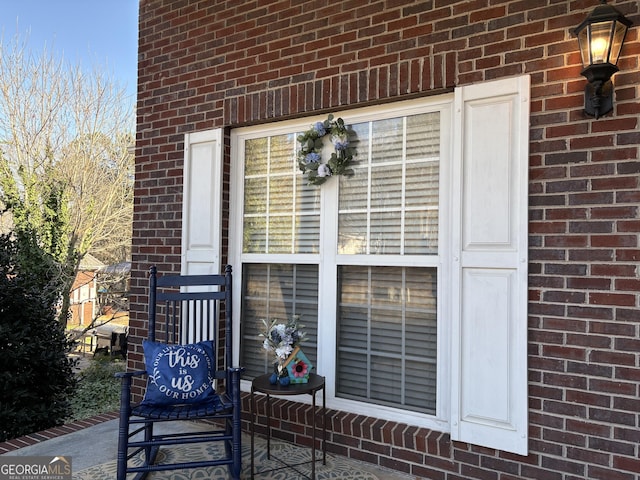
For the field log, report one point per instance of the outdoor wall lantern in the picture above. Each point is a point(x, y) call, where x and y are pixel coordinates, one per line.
point(600, 38)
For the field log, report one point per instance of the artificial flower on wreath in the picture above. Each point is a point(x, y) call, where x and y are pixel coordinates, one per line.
point(309, 155)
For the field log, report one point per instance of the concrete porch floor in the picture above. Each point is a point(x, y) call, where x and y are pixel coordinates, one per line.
point(92, 449)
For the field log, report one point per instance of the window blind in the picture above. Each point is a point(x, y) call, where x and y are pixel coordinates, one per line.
point(276, 291)
point(387, 336)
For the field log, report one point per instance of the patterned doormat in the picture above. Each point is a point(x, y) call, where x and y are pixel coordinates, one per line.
point(336, 468)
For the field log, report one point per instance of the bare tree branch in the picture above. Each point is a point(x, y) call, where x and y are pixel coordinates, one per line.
point(67, 134)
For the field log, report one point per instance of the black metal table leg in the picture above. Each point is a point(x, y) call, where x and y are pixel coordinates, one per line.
point(268, 426)
point(313, 436)
point(324, 426)
point(253, 430)
point(262, 384)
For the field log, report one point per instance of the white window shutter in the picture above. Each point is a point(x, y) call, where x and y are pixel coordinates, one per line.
point(202, 203)
point(489, 274)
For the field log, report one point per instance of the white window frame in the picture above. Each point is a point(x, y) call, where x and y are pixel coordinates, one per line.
point(328, 259)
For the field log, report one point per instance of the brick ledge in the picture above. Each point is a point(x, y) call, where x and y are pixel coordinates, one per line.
point(37, 437)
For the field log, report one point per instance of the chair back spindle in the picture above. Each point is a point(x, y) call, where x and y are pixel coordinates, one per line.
point(188, 309)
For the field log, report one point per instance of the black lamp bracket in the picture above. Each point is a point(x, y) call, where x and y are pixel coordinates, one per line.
point(598, 98)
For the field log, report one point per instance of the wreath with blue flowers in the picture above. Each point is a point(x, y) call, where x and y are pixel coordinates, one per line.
point(309, 155)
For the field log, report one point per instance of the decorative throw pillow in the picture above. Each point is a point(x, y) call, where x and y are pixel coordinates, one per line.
point(178, 374)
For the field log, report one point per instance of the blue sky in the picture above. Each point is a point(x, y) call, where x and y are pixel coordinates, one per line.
point(93, 33)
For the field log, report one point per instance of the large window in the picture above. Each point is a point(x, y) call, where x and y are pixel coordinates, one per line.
point(410, 276)
point(356, 259)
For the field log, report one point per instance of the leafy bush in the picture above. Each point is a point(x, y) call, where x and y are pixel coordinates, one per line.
point(98, 390)
point(36, 376)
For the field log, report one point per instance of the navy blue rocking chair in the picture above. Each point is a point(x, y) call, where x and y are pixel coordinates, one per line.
point(187, 379)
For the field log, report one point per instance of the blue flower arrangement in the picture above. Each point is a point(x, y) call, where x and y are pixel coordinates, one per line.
point(281, 338)
point(309, 155)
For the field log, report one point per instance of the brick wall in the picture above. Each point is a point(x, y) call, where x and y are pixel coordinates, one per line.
point(209, 64)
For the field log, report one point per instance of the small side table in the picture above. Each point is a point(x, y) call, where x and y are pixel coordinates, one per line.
point(261, 384)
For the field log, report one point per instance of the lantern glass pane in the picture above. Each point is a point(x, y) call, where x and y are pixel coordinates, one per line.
point(583, 43)
point(600, 42)
point(618, 38)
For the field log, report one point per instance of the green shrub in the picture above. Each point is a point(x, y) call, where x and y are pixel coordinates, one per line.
point(98, 390)
point(36, 376)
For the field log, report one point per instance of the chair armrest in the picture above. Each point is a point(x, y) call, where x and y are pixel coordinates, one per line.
point(228, 373)
point(231, 377)
point(125, 389)
point(233, 383)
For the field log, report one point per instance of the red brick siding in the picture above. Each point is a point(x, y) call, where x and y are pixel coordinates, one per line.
point(206, 64)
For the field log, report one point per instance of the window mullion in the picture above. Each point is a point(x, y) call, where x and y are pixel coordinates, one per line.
point(327, 276)
point(403, 185)
point(403, 341)
point(369, 328)
point(268, 197)
point(370, 175)
point(294, 206)
point(294, 296)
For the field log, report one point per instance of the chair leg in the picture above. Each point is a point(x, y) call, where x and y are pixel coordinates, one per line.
point(235, 423)
point(236, 467)
point(149, 453)
point(123, 428)
point(123, 447)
